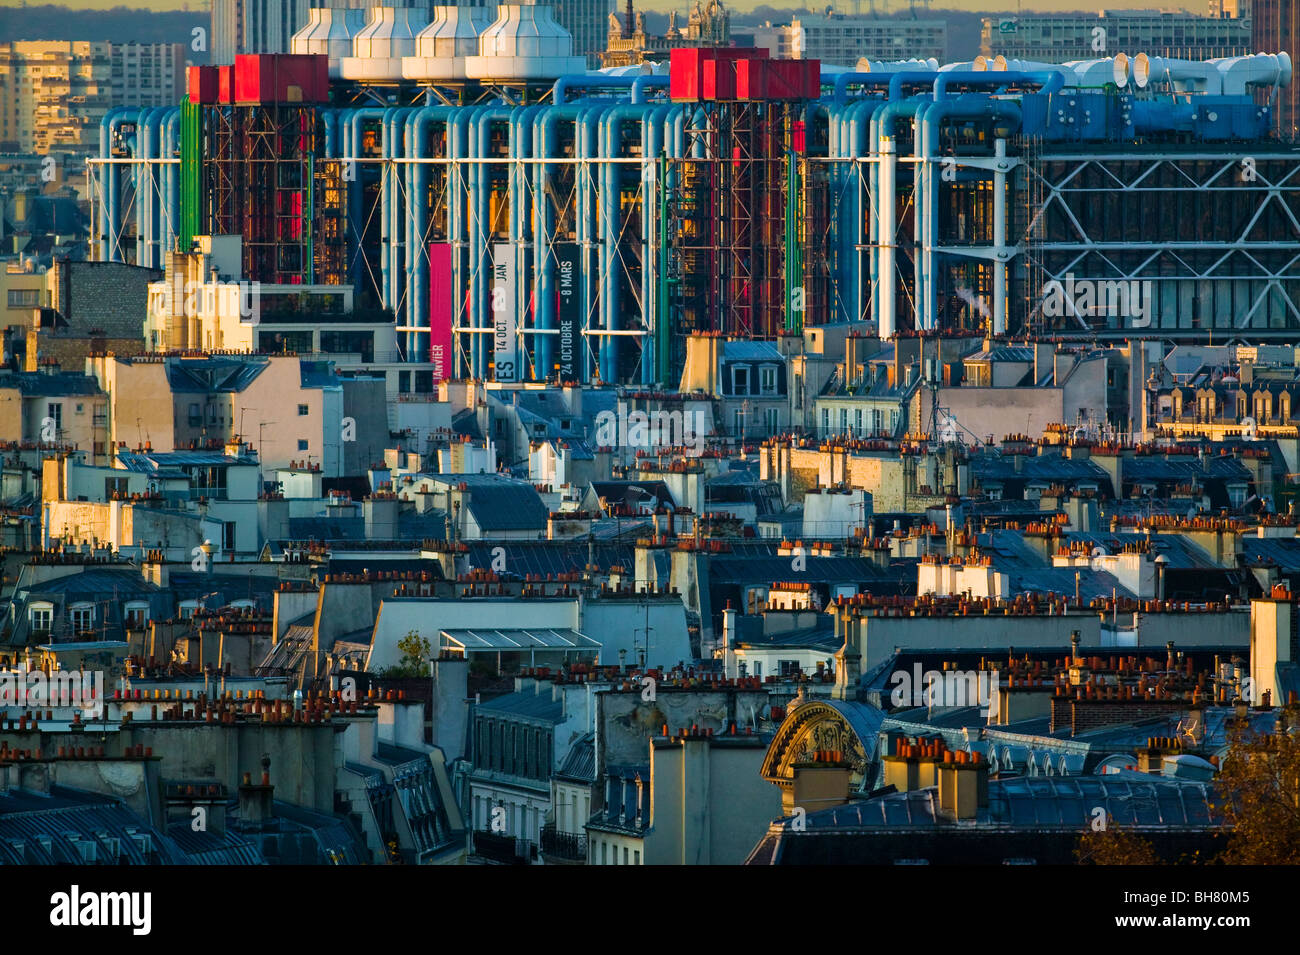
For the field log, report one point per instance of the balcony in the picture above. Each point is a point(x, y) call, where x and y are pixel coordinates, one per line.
point(506, 850)
point(563, 846)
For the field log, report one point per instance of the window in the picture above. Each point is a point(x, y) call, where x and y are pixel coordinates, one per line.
point(303, 411)
point(54, 412)
point(196, 415)
point(41, 616)
point(136, 615)
point(302, 444)
point(772, 419)
point(767, 379)
point(740, 380)
point(23, 297)
point(739, 428)
point(82, 617)
point(187, 608)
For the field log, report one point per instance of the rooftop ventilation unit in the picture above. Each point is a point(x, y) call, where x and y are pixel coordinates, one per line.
point(329, 31)
point(1183, 76)
point(1097, 73)
point(896, 66)
point(378, 48)
point(1258, 69)
point(525, 43)
point(443, 46)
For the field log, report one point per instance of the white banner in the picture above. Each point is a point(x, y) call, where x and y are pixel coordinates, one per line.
point(504, 332)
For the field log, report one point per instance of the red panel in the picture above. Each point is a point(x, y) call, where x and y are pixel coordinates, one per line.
point(719, 79)
point(752, 77)
point(225, 84)
point(203, 84)
point(281, 78)
point(684, 74)
point(812, 81)
point(689, 69)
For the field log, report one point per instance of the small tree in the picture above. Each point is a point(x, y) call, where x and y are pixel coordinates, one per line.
point(1112, 845)
point(1259, 797)
point(417, 651)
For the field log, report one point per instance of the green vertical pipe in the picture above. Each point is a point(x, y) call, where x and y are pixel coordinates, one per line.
point(191, 222)
point(793, 252)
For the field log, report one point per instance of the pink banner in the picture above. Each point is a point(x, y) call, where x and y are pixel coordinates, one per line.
point(440, 310)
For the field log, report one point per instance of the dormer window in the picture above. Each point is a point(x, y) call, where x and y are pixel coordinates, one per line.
point(82, 617)
point(136, 614)
point(40, 617)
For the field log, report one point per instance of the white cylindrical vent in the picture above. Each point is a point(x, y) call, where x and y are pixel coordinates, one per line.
point(525, 42)
point(378, 48)
point(442, 47)
point(329, 31)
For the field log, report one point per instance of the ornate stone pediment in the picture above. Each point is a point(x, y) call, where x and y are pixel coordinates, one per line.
point(811, 727)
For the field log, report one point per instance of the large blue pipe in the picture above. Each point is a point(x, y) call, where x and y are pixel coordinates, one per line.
point(611, 260)
point(522, 219)
point(647, 81)
point(480, 240)
point(885, 310)
point(171, 209)
point(909, 78)
point(459, 129)
point(850, 234)
point(590, 233)
point(417, 205)
point(544, 320)
point(930, 123)
point(1049, 81)
point(870, 80)
point(110, 179)
point(357, 216)
point(656, 142)
point(588, 81)
point(148, 137)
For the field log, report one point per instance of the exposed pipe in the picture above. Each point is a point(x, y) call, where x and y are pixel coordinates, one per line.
point(480, 240)
point(611, 175)
point(589, 81)
point(417, 248)
point(647, 81)
point(1049, 81)
point(170, 211)
point(930, 124)
point(893, 111)
point(110, 185)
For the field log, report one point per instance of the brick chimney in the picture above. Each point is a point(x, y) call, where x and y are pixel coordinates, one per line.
point(963, 785)
point(256, 802)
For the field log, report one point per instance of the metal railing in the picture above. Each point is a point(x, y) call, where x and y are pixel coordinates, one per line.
point(563, 845)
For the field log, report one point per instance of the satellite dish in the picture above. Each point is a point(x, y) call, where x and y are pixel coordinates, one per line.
point(1248, 428)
